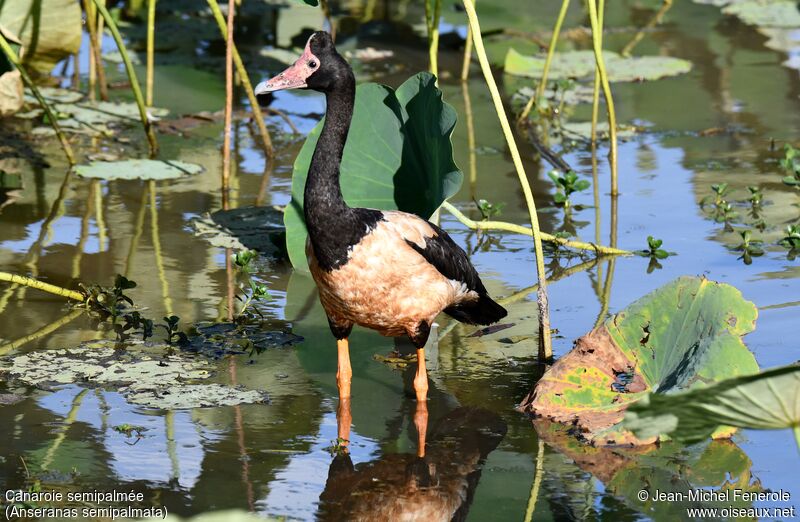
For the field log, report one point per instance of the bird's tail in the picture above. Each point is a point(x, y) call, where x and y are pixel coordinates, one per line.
point(484, 311)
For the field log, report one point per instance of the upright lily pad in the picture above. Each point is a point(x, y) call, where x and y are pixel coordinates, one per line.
point(49, 30)
point(398, 156)
point(581, 65)
point(683, 336)
point(766, 14)
point(765, 401)
point(138, 169)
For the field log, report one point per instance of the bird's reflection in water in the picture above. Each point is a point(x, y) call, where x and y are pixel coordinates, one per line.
point(436, 483)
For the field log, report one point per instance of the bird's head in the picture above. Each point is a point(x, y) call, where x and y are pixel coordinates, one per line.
point(320, 68)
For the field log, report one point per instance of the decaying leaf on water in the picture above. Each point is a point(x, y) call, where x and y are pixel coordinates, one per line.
point(152, 375)
point(683, 336)
point(138, 169)
point(49, 30)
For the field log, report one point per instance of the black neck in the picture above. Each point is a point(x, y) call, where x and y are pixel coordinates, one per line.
point(333, 227)
point(323, 194)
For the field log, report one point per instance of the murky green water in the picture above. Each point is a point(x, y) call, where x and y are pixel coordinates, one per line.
point(274, 459)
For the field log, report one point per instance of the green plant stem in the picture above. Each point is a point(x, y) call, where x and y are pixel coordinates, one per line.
point(545, 343)
point(550, 52)
point(246, 84)
point(596, 88)
point(14, 59)
point(137, 90)
point(626, 51)
point(796, 431)
point(519, 229)
point(151, 36)
point(226, 141)
point(597, 44)
point(473, 167)
point(433, 9)
point(39, 285)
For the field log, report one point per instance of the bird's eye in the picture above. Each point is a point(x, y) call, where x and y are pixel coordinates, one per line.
point(312, 64)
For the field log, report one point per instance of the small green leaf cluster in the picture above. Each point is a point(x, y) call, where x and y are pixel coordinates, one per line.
point(791, 241)
point(655, 253)
point(566, 185)
point(749, 247)
point(791, 165)
point(489, 210)
point(253, 291)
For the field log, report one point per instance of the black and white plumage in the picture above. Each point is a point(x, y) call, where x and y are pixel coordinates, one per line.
point(387, 270)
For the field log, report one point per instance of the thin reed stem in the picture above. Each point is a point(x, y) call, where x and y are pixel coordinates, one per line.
point(137, 90)
point(151, 42)
point(550, 52)
point(545, 342)
point(246, 84)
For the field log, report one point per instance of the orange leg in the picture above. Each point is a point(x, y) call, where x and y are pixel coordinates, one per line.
point(344, 373)
point(421, 379)
point(343, 421)
point(421, 423)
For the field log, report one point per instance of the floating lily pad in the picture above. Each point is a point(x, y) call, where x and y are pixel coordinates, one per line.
point(583, 129)
point(766, 401)
point(246, 228)
point(188, 396)
point(55, 95)
point(766, 14)
point(581, 64)
point(683, 336)
point(138, 169)
point(93, 116)
point(99, 363)
point(150, 375)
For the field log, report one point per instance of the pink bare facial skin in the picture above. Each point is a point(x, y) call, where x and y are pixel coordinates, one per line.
point(295, 76)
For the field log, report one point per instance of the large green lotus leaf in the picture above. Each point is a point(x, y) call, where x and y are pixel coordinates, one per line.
point(767, 401)
point(398, 156)
point(766, 14)
point(49, 30)
point(581, 64)
point(683, 336)
point(138, 169)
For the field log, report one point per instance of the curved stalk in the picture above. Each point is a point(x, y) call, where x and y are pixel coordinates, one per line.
point(545, 343)
point(137, 90)
point(162, 274)
point(519, 229)
point(151, 38)
point(14, 59)
point(597, 44)
point(246, 84)
point(550, 52)
point(39, 285)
